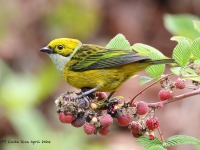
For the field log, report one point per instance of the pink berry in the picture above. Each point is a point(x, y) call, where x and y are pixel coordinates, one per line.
point(101, 95)
point(105, 130)
point(135, 127)
point(65, 118)
point(152, 123)
point(142, 108)
point(106, 120)
point(151, 137)
point(89, 128)
point(180, 84)
point(124, 120)
point(136, 135)
point(165, 94)
point(78, 122)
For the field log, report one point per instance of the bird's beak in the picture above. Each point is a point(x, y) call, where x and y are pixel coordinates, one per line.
point(46, 49)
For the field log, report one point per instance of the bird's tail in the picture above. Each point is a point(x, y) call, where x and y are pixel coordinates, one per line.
point(162, 61)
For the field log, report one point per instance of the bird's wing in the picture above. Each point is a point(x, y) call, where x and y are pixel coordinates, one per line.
point(93, 57)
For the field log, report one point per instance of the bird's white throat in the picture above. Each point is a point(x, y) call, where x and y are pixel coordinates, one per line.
point(59, 61)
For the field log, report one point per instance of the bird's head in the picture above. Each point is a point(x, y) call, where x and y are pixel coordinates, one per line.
point(61, 46)
point(61, 51)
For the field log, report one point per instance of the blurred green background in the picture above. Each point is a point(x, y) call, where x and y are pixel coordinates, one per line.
point(29, 83)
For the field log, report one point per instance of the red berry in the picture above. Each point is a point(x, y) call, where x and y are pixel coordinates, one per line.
point(124, 120)
point(142, 108)
point(78, 122)
point(106, 120)
point(136, 135)
point(101, 95)
point(151, 137)
point(165, 94)
point(152, 123)
point(105, 130)
point(65, 118)
point(180, 84)
point(135, 127)
point(89, 128)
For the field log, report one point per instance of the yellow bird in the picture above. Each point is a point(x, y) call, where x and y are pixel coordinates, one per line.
point(95, 67)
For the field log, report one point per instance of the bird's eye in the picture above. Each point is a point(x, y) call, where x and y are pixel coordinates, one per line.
point(60, 47)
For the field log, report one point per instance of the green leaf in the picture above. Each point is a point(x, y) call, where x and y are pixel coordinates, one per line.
point(149, 144)
point(180, 139)
point(195, 48)
point(157, 147)
point(193, 78)
point(119, 42)
point(197, 62)
point(196, 24)
point(176, 70)
point(187, 72)
point(181, 25)
point(181, 52)
point(145, 79)
point(147, 50)
point(154, 71)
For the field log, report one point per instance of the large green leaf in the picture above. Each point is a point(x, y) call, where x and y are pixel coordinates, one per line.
point(154, 71)
point(176, 70)
point(147, 50)
point(181, 25)
point(157, 147)
point(195, 48)
point(180, 139)
point(197, 25)
point(149, 144)
point(119, 42)
point(181, 52)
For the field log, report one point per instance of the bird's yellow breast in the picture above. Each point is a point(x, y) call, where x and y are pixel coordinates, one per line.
point(108, 79)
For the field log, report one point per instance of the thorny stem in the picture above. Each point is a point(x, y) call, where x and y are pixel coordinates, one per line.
point(176, 98)
point(161, 135)
point(132, 100)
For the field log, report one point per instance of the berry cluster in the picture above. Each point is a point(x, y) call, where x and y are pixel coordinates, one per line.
point(96, 114)
point(166, 93)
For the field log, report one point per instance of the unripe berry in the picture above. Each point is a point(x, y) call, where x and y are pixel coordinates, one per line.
point(165, 94)
point(105, 130)
point(94, 120)
point(124, 120)
point(135, 127)
point(152, 123)
point(101, 95)
point(65, 118)
point(89, 128)
point(106, 120)
point(179, 84)
point(142, 108)
point(78, 122)
point(93, 105)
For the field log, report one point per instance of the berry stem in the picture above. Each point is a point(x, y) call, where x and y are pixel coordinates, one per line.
point(161, 135)
point(132, 100)
point(176, 98)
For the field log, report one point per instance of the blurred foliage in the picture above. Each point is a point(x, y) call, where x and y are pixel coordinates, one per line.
point(181, 25)
point(71, 18)
point(20, 94)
